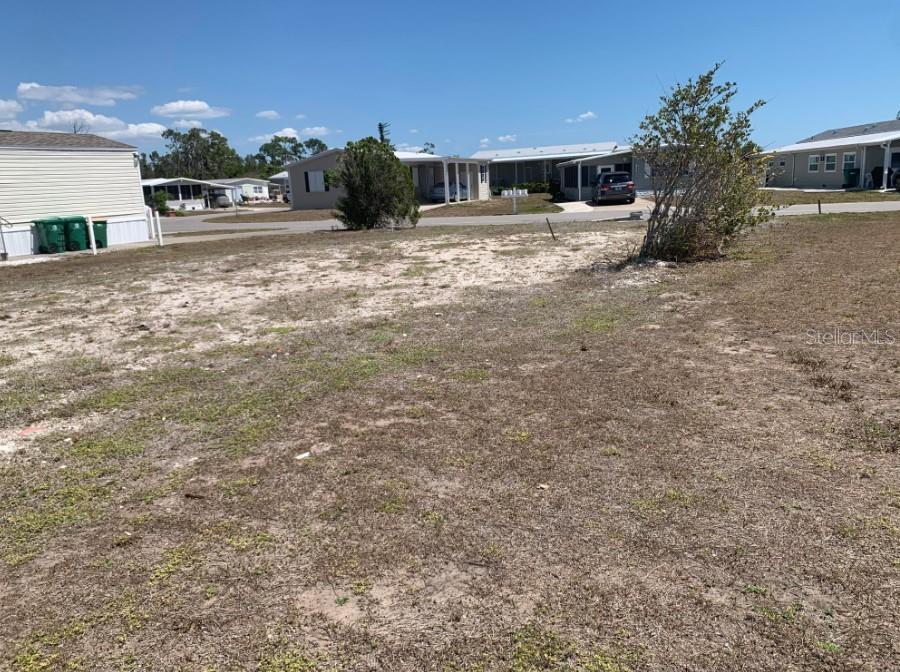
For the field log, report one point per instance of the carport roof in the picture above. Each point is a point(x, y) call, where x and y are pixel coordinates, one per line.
point(544, 152)
point(163, 182)
point(597, 158)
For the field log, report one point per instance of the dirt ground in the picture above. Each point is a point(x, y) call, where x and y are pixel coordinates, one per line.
point(468, 449)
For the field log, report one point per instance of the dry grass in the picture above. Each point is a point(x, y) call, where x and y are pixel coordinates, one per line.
point(795, 197)
point(650, 469)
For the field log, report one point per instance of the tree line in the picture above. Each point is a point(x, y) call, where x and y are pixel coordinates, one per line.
point(204, 155)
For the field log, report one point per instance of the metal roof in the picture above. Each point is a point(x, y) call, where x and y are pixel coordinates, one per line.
point(590, 160)
point(544, 152)
point(163, 181)
point(241, 180)
point(283, 175)
point(843, 141)
point(46, 140)
point(852, 131)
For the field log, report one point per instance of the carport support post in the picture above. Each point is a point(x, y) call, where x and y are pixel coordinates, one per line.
point(446, 184)
point(456, 168)
point(578, 167)
point(862, 170)
point(887, 165)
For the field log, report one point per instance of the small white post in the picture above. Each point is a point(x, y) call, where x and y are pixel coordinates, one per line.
point(91, 239)
point(159, 236)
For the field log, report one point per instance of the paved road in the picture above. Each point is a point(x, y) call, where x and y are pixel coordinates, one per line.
point(198, 226)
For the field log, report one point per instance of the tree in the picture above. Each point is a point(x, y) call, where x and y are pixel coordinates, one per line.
point(705, 170)
point(199, 154)
point(428, 148)
point(281, 150)
point(379, 189)
point(80, 126)
point(314, 146)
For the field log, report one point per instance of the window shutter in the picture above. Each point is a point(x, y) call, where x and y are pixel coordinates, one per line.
point(306, 179)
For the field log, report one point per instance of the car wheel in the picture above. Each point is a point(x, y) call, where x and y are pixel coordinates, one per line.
point(631, 200)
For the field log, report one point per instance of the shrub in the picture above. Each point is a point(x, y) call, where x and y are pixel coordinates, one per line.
point(706, 171)
point(379, 190)
point(158, 201)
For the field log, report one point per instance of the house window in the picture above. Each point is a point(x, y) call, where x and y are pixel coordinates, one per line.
point(257, 189)
point(483, 172)
point(813, 165)
point(571, 176)
point(830, 163)
point(782, 164)
point(849, 160)
point(771, 164)
point(315, 180)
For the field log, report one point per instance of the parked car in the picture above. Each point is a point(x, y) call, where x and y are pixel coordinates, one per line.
point(437, 192)
point(614, 187)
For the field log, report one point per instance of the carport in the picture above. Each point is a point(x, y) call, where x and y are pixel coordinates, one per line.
point(578, 175)
point(429, 169)
point(188, 194)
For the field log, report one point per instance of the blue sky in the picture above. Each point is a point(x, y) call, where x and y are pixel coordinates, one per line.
point(460, 75)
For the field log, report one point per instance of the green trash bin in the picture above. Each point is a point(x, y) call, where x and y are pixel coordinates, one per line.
point(101, 238)
point(51, 234)
point(76, 233)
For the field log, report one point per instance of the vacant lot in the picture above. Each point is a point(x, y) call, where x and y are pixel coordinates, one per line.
point(436, 450)
point(795, 197)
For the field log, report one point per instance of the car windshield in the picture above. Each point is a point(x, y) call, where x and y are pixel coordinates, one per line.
point(615, 178)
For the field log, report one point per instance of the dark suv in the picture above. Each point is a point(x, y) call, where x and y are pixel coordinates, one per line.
point(614, 187)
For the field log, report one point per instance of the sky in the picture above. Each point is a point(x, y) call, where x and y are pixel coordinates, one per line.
point(464, 76)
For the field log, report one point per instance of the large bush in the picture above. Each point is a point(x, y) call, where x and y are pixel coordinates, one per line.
point(705, 171)
point(379, 190)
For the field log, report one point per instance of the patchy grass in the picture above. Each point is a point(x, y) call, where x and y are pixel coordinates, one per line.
point(797, 196)
point(533, 204)
point(271, 217)
point(596, 472)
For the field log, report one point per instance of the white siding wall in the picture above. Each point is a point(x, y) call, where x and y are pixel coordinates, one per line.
point(47, 183)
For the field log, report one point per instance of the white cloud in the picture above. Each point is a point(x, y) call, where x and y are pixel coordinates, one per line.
point(507, 138)
point(187, 123)
point(301, 116)
point(268, 114)
point(62, 120)
point(110, 127)
point(315, 131)
point(584, 116)
point(284, 132)
point(484, 142)
point(414, 130)
point(406, 147)
point(9, 108)
point(105, 96)
point(190, 109)
point(134, 131)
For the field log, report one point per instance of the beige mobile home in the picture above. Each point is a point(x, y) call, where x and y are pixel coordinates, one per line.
point(310, 189)
point(865, 156)
point(57, 174)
